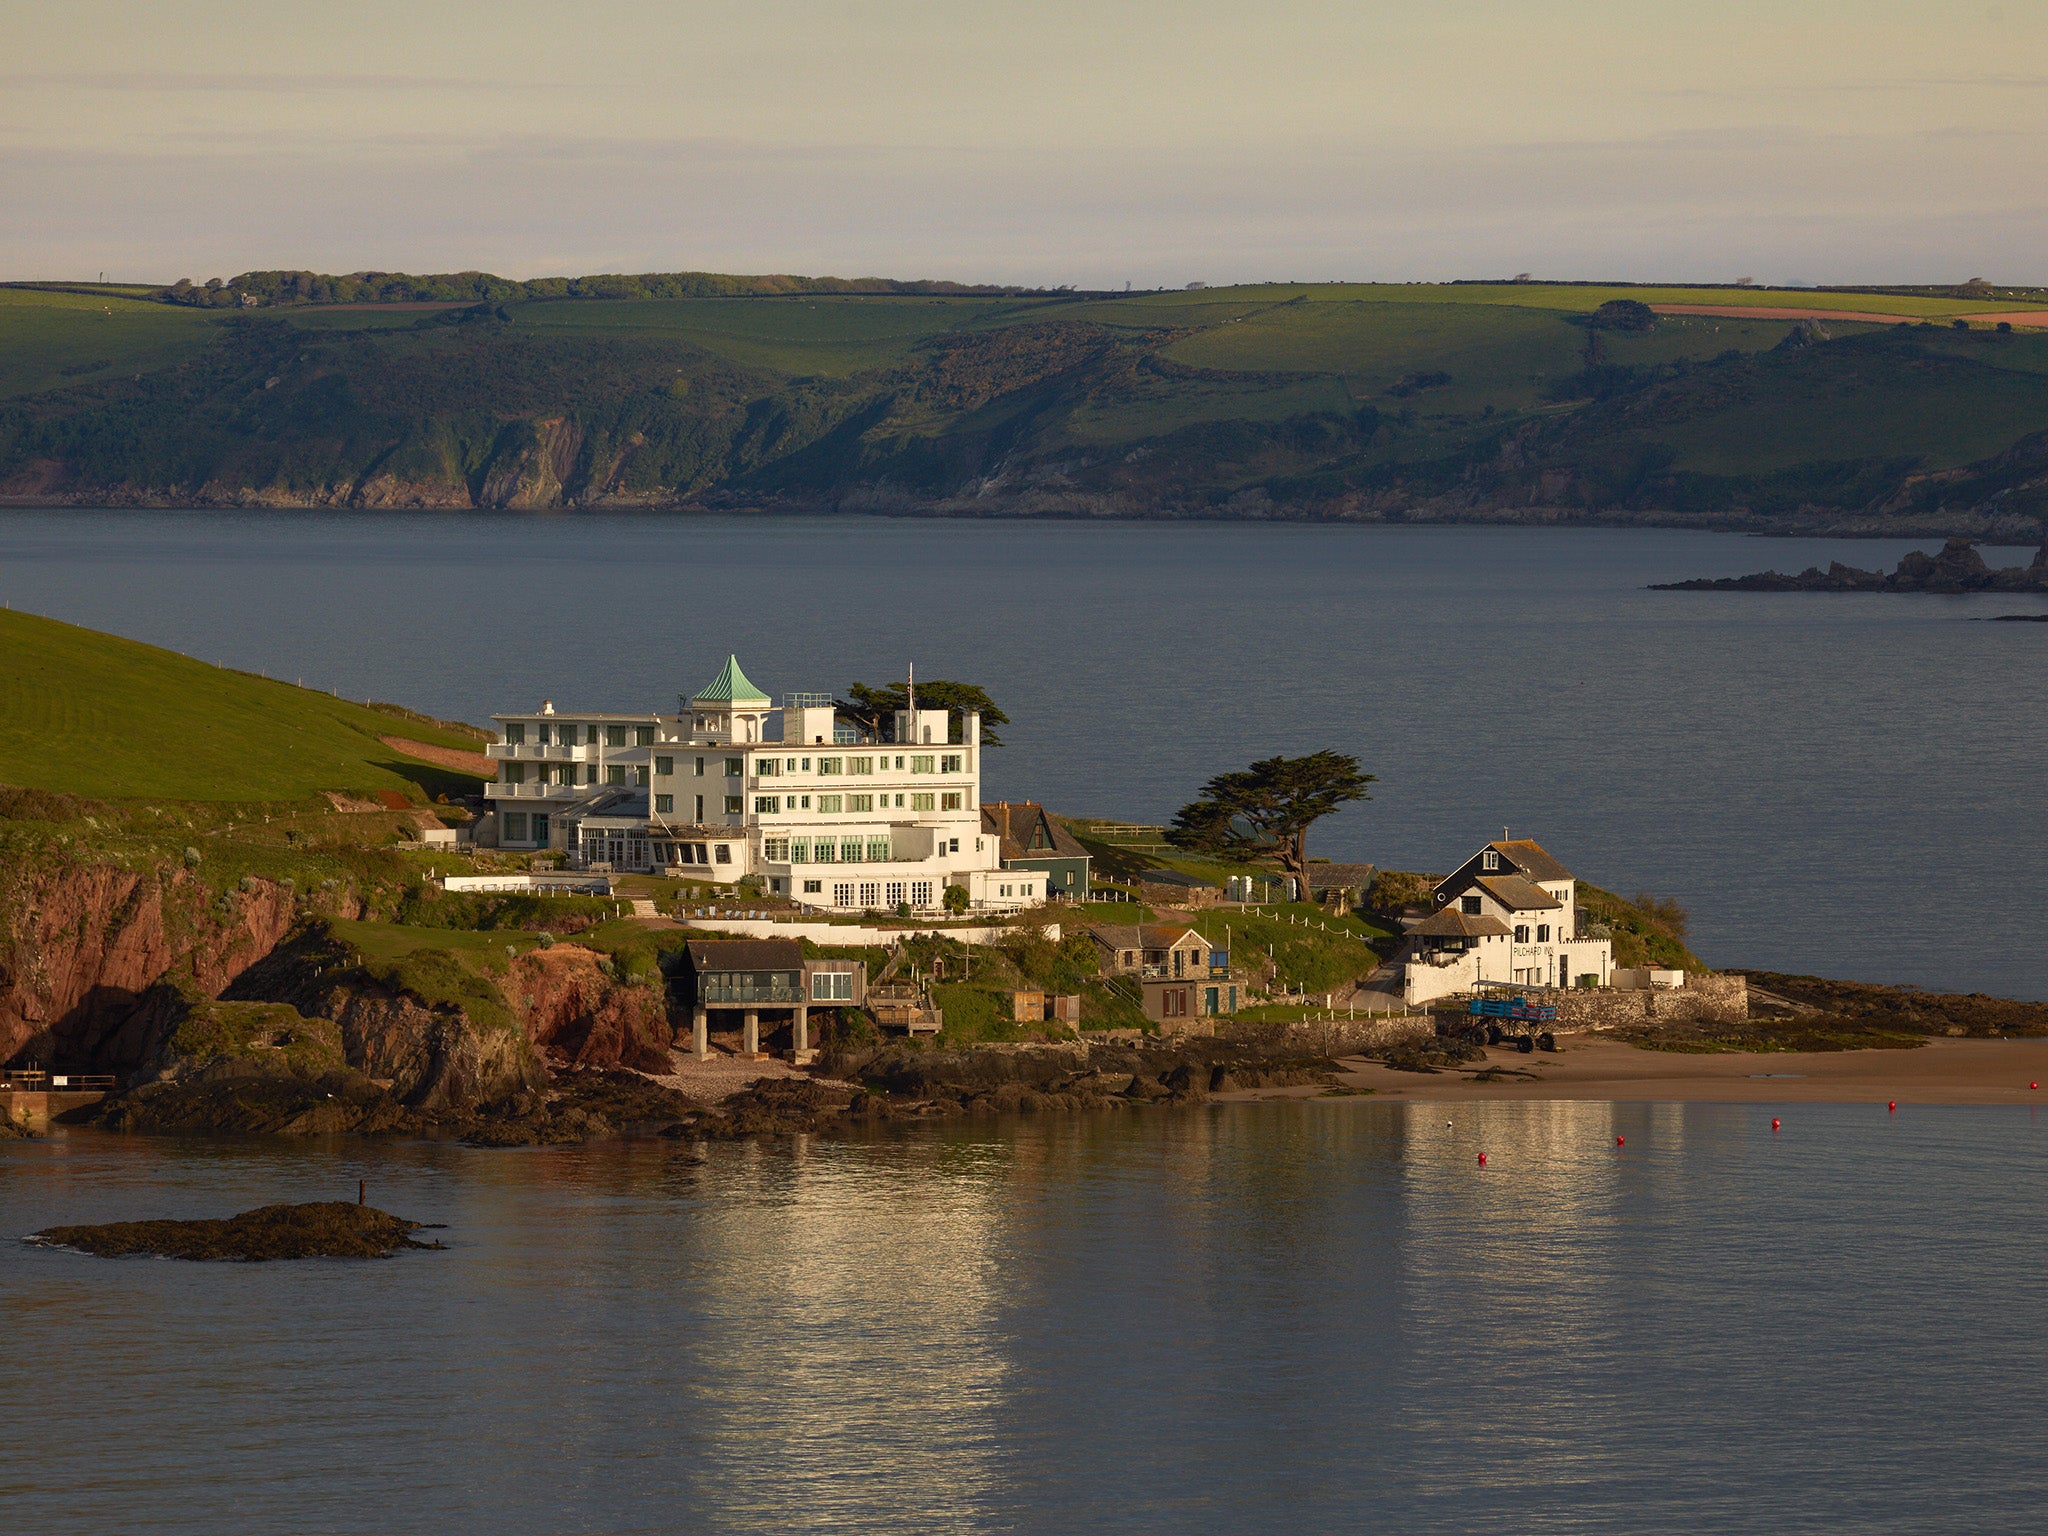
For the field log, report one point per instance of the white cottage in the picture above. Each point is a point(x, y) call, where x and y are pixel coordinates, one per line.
point(1508, 915)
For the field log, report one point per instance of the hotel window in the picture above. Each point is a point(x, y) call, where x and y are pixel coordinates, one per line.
point(640, 775)
point(950, 763)
point(921, 764)
point(1521, 933)
point(1543, 933)
point(767, 767)
point(920, 893)
point(615, 774)
point(828, 803)
point(615, 735)
point(724, 854)
point(775, 850)
point(766, 805)
point(515, 826)
point(878, 850)
point(899, 764)
point(515, 773)
point(899, 802)
point(850, 850)
point(700, 767)
point(665, 805)
point(700, 808)
point(807, 764)
point(842, 895)
point(540, 734)
point(870, 894)
point(735, 767)
point(860, 765)
point(860, 802)
point(822, 854)
point(828, 765)
point(805, 802)
point(813, 887)
point(643, 735)
point(735, 805)
point(950, 801)
point(953, 845)
point(896, 894)
point(800, 851)
point(924, 802)
point(515, 734)
point(665, 766)
point(832, 986)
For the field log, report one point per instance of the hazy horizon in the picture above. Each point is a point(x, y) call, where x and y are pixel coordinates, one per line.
point(1805, 142)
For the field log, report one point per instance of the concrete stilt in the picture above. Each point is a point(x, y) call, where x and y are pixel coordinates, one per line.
point(800, 1038)
point(751, 1042)
point(700, 1034)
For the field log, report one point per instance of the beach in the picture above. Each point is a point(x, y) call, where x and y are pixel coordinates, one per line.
point(1592, 1067)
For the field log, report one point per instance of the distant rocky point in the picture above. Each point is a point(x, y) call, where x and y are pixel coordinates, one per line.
point(1958, 568)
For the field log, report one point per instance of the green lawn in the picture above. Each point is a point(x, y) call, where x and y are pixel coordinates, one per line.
point(94, 714)
point(57, 340)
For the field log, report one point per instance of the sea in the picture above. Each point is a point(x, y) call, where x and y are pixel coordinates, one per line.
point(1318, 1316)
point(1844, 784)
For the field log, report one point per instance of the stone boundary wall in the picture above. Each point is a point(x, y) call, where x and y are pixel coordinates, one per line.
point(1332, 1037)
point(1704, 999)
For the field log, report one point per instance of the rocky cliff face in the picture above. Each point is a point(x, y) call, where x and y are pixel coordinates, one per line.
point(578, 1016)
point(90, 948)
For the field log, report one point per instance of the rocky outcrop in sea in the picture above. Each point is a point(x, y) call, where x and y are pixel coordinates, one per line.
point(1957, 568)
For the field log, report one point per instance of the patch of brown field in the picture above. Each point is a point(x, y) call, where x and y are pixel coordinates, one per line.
point(444, 757)
point(1595, 1067)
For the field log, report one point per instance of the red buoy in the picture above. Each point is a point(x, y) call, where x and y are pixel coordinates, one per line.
point(1482, 1159)
point(1621, 1141)
point(2033, 1085)
point(1774, 1124)
point(1893, 1106)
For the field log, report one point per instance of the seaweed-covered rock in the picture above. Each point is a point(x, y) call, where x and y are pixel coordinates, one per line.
point(319, 1229)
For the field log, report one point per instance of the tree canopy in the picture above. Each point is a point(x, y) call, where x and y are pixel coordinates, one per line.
point(874, 707)
point(1266, 810)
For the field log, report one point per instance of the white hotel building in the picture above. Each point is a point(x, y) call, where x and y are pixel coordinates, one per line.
point(820, 811)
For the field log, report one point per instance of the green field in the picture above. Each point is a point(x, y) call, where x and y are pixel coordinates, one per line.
point(1315, 400)
point(93, 714)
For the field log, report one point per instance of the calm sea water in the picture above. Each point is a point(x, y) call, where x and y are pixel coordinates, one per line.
point(1317, 1317)
point(1847, 784)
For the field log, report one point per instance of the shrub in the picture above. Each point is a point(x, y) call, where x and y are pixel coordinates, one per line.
point(191, 858)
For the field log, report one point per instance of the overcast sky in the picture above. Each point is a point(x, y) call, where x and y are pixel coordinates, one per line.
point(1062, 141)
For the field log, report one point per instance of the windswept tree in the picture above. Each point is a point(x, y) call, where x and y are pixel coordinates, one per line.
point(874, 707)
point(1266, 810)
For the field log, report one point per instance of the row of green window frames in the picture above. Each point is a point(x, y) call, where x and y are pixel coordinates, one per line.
point(827, 805)
point(825, 850)
point(573, 734)
point(776, 767)
point(565, 773)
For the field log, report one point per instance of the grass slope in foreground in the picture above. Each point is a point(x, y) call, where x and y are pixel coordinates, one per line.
point(94, 714)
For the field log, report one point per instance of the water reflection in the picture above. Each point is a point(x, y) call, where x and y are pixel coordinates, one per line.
point(1302, 1317)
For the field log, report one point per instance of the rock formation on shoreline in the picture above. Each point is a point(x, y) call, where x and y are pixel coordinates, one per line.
point(1957, 568)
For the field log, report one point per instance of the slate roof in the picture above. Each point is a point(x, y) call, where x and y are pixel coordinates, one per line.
point(1350, 877)
point(1152, 936)
point(729, 687)
point(745, 955)
point(1517, 894)
point(1453, 924)
point(1012, 821)
point(1529, 856)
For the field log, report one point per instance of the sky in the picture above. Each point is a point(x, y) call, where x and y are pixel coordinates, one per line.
point(1096, 143)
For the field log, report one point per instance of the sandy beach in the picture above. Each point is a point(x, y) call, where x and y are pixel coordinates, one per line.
point(1590, 1067)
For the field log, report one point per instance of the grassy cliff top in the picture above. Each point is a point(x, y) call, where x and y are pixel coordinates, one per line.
point(94, 714)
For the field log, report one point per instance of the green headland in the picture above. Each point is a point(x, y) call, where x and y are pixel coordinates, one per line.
point(1922, 411)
